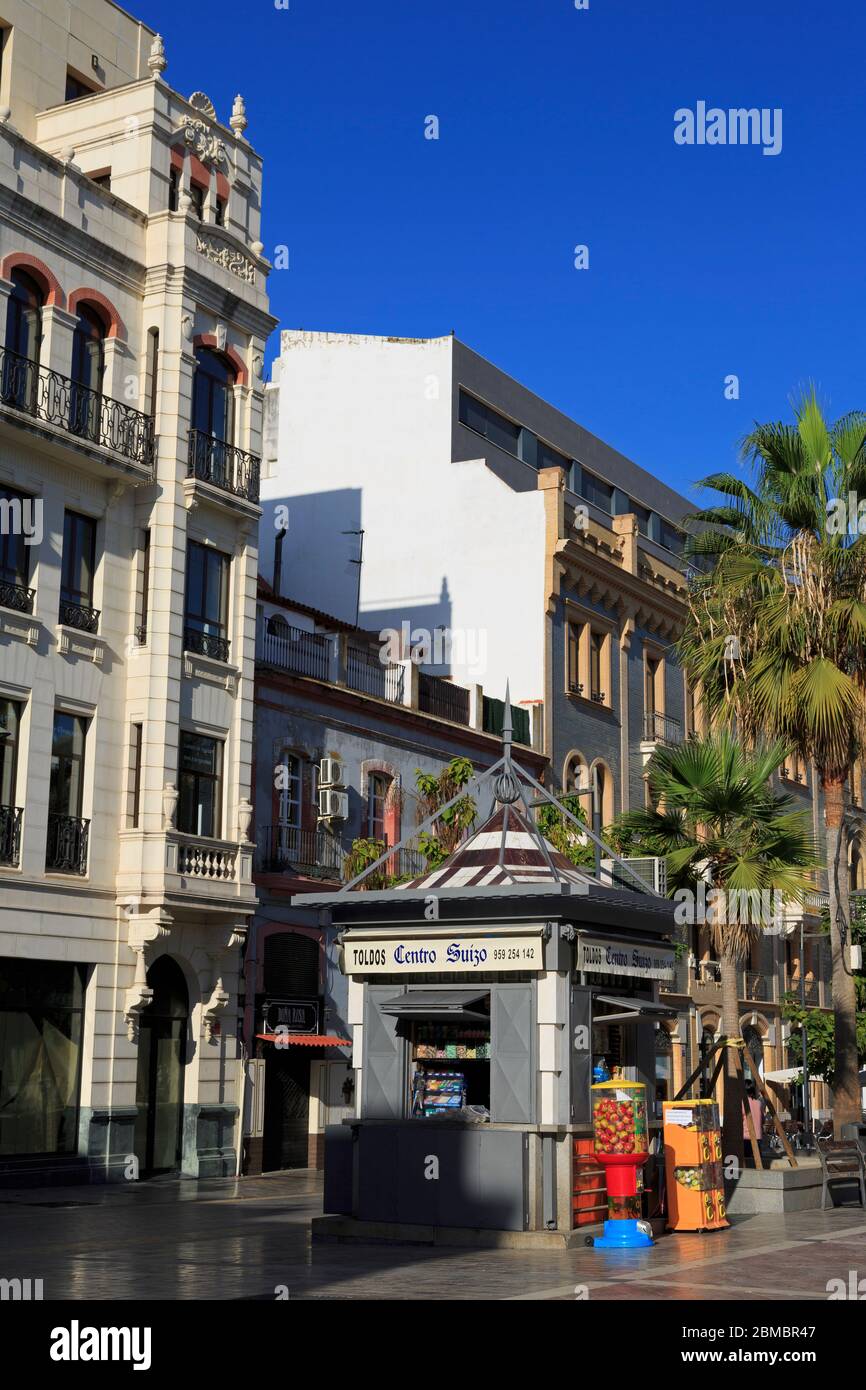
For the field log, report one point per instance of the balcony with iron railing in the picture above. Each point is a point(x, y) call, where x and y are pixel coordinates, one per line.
point(443, 699)
point(10, 835)
point(757, 986)
point(66, 846)
point(368, 675)
point(285, 848)
point(661, 728)
point(223, 466)
point(37, 396)
point(211, 644)
point(16, 596)
point(295, 650)
point(79, 616)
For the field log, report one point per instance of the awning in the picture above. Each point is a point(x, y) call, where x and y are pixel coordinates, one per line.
point(638, 1010)
point(784, 1076)
point(437, 1003)
point(304, 1039)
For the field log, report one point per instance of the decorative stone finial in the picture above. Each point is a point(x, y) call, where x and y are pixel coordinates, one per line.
point(238, 121)
point(157, 61)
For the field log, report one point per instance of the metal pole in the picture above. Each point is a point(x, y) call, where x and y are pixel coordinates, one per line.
point(807, 1124)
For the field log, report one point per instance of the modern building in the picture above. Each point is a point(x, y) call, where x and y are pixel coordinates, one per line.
point(134, 316)
point(340, 739)
point(412, 482)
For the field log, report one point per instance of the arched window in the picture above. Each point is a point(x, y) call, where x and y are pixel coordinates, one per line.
point(24, 316)
point(23, 342)
point(576, 775)
point(213, 399)
point(212, 419)
point(88, 366)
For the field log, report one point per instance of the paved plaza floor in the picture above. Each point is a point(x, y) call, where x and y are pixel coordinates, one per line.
point(221, 1239)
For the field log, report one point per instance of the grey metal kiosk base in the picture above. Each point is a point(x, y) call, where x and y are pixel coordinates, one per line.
point(448, 1182)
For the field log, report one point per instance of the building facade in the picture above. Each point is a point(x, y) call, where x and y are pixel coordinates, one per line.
point(464, 483)
point(340, 739)
point(135, 313)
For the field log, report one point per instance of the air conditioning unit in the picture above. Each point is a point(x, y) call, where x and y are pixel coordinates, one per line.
point(331, 773)
point(333, 805)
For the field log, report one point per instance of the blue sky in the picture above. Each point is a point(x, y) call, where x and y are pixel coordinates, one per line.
point(556, 129)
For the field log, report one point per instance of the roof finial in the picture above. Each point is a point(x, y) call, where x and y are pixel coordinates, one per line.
point(507, 729)
point(506, 787)
point(157, 61)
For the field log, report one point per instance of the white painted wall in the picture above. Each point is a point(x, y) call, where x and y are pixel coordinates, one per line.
point(364, 441)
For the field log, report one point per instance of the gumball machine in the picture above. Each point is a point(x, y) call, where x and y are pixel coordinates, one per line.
point(621, 1139)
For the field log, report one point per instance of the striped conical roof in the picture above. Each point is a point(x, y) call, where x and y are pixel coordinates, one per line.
point(506, 850)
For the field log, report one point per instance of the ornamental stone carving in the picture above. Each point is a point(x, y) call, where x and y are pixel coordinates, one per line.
point(157, 61)
point(200, 102)
point(203, 141)
point(232, 260)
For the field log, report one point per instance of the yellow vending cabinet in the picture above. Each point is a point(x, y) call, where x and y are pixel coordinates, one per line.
point(694, 1177)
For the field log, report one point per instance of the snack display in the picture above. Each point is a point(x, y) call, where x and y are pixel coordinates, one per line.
point(693, 1166)
point(621, 1144)
point(435, 1091)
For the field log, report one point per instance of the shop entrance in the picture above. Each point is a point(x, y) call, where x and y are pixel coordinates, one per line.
point(287, 1108)
point(161, 1060)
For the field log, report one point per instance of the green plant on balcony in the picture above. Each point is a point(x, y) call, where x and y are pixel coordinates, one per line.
point(451, 823)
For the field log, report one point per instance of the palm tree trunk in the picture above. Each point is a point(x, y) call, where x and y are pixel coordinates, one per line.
point(733, 1093)
point(846, 1085)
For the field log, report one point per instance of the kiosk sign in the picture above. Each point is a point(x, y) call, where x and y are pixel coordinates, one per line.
point(621, 958)
point(464, 955)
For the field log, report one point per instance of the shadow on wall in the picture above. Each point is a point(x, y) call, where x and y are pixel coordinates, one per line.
point(317, 556)
point(420, 623)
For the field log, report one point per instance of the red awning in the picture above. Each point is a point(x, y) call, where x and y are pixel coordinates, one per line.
point(305, 1039)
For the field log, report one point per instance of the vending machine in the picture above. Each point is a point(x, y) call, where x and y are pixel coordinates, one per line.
point(694, 1177)
point(621, 1141)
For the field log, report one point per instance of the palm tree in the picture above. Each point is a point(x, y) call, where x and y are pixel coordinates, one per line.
point(776, 634)
point(720, 824)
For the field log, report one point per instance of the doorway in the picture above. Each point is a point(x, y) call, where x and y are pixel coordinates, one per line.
point(287, 1109)
point(161, 1060)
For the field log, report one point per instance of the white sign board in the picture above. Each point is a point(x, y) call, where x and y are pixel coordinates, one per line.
point(617, 958)
point(465, 955)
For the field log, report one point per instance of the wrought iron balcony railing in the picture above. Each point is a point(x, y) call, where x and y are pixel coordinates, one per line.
point(16, 596)
point(79, 616)
point(223, 466)
point(313, 852)
point(10, 835)
point(661, 728)
point(755, 985)
point(66, 849)
point(53, 399)
point(597, 697)
point(206, 644)
point(367, 674)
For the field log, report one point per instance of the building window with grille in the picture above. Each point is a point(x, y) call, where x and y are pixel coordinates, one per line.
point(206, 613)
point(78, 570)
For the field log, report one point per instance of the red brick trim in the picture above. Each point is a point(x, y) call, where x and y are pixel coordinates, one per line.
point(45, 278)
point(177, 157)
point(222, 186)
point(208, 340)
point(114, 326)
point(198, 173)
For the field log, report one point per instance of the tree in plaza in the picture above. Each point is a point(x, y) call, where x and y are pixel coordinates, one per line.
point(776, 634)
point(724, 831)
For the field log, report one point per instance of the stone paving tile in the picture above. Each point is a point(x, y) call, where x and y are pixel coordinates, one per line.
point(241, 1240)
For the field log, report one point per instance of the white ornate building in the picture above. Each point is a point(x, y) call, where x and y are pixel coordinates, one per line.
point(134, 314)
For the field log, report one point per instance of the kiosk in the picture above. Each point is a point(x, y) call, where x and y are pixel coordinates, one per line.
point(480, 996)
